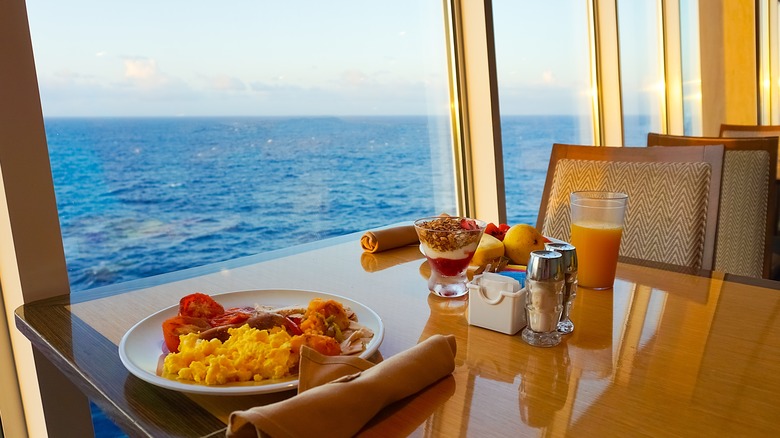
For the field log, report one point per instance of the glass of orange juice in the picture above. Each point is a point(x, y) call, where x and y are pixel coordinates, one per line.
point(596, 229)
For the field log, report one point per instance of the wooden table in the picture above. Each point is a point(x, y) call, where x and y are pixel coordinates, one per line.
point(665, 353)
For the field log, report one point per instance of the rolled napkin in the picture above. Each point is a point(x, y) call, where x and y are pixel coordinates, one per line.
point(389, 238)
point(341, 407)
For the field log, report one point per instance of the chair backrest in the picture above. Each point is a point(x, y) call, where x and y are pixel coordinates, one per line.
point(673, 197)
point(747, 215)
point(730, 130)
point(739, 131)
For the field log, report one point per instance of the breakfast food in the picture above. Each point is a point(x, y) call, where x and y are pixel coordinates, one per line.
point(247, 355)
point(490, 250)
point(497, 231)
point(199, 313)
point(449, 242)
point(245, 344)
point(520, 240)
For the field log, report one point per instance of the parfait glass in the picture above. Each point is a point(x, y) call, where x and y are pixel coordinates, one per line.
point(449, 243)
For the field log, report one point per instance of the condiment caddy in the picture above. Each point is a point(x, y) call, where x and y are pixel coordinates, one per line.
point(536, 303)
point(496, 302)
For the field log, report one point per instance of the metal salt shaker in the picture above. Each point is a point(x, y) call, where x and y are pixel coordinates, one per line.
point(544, 285)
point(569, 253)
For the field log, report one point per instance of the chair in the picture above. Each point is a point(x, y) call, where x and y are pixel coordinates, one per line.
point(728, 130)
point(747, 205)
point(673, 197)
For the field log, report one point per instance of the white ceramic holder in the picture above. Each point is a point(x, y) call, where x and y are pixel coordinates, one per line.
point(497, 302)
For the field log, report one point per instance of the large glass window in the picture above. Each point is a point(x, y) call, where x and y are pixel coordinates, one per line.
point(544, 83)
point(641, 70)
point(186, 133)
point(691, 66)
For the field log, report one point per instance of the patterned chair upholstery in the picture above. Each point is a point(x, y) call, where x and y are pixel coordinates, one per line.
point(747, 205)
point(672, 205)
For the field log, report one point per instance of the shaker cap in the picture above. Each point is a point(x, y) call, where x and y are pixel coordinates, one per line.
point(568, 252)
point(545, 265)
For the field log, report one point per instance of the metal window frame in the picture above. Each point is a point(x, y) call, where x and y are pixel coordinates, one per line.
point(479, 168)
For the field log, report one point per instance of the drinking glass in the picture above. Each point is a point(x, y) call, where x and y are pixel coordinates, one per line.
point(596, 230)
point(449, 243)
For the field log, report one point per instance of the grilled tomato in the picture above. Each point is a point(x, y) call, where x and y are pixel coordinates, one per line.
point(181, 325)
point(199, 305)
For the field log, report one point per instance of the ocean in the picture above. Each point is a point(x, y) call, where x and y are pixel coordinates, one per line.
point(138, 197)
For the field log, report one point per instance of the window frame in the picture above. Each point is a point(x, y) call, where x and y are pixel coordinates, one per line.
point(32, 260)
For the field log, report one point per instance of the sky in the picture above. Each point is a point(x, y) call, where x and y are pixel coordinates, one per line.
point(245, 57)
point(304, 57)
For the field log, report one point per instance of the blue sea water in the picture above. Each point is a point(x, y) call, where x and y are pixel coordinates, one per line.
point(139, 197)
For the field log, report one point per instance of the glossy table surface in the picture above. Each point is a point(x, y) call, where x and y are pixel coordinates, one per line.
point(664, 353)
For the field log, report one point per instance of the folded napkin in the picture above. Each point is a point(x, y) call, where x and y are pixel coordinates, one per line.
point(341, 407)
point(389, 238)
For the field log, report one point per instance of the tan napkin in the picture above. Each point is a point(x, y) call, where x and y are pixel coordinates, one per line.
point(317, 369)
point(388, 238)
point(340, 408)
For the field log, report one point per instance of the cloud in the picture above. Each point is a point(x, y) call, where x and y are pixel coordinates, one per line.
point(70, 77)
point(141, 86)
point(227, 83)
point(354, 78)
point(142, 70)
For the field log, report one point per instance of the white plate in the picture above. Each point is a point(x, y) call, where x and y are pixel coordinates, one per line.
point(141, 347)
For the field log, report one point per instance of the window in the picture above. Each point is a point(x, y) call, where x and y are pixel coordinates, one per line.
point(212, 131)
point(691, 66)
point(641, 70)
point(544, 83)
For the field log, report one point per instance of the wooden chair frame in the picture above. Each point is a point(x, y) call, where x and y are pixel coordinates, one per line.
point(711, 154)
point(756, 130)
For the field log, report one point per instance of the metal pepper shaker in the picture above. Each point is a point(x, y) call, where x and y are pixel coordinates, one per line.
point(544, 285)
point(569, 253)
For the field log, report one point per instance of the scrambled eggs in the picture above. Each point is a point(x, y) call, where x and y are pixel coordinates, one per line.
point(249, 355)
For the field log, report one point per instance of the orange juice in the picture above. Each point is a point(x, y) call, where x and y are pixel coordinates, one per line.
point(597, 253)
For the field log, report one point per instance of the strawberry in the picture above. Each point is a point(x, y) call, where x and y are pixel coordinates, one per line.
point(497, 231)
point(468, 224)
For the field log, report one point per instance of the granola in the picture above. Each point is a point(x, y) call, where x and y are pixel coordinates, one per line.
point(444, 234)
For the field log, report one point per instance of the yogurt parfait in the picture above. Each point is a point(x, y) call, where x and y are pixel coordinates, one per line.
point(449, 243)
